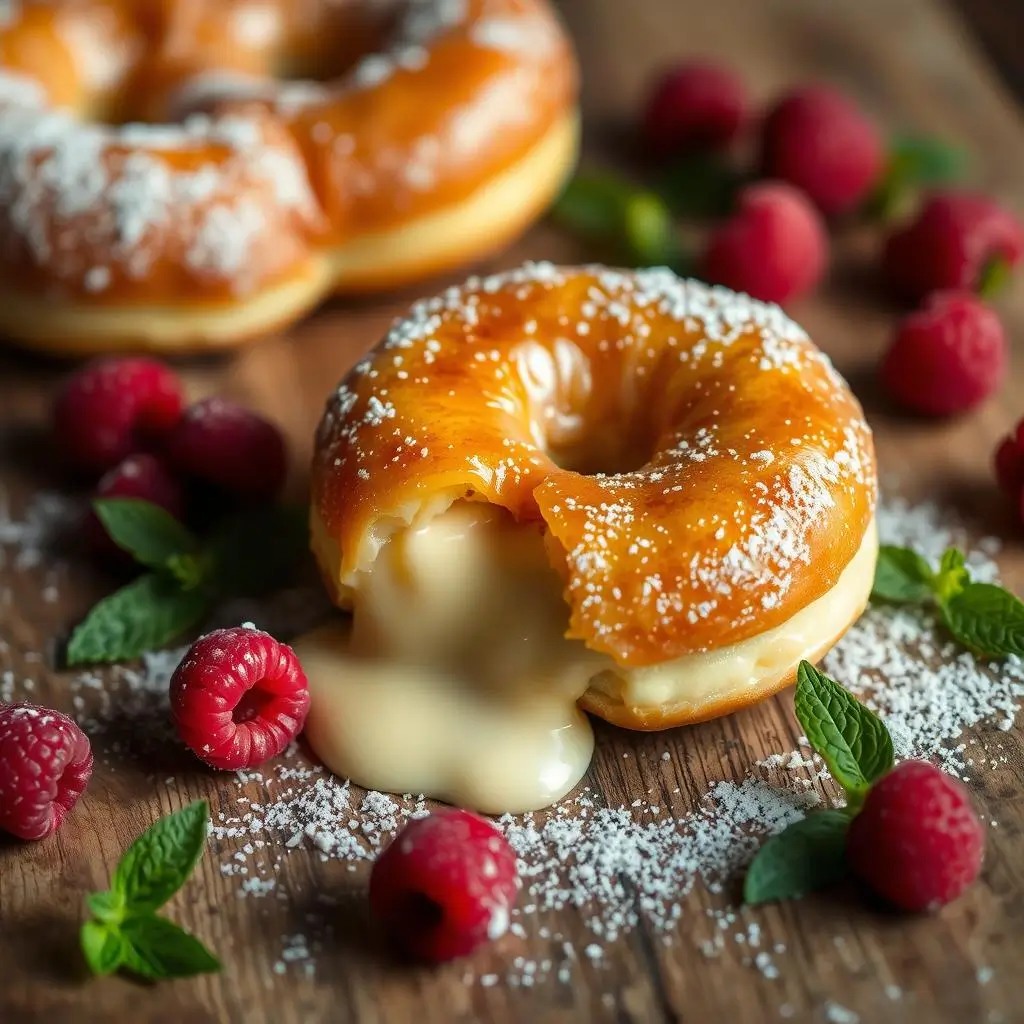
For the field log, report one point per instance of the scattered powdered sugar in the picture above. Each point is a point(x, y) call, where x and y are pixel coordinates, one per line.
point(615, 868)
point(36, 532)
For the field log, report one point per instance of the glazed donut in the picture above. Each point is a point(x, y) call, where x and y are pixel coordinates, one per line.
point(301, 147)
point(666, 482)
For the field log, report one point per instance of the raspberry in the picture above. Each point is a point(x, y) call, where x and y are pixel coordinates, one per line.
point(917, 840)
point(694, 106)
point(112, 408)
point(1009, 462)
point(774, 247)
point(45, 764)
point(138, 476)
point(445, 885)
point(951, 244)
point(225, 444)
point(947, 356)
point(819, 141)
point(238, 698)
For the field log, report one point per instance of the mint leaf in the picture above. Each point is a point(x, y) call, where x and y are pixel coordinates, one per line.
point(808, 855)
point(160, 861)
point(106, 906)
point(159, 949)
point(591, 205)
point(149, 533)
point(914, 162)
point(256, 551)
point(854, 742)
point(146, 614)
point(952, 575)
point(701, 185)
point(902, 576)
point(987, 619)
point(994, 277)
point(103, 947)
point(650, 232)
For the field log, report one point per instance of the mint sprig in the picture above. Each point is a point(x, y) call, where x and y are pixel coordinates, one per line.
point(125, 931)
point(984, 617)
point(808, 855)
point(857, 748)
point(246, 555)
point(853, 741)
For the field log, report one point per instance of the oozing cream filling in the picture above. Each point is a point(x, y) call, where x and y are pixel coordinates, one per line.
point(454, 677)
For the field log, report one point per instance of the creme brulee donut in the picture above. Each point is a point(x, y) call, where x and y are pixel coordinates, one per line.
point(644, 493)
point(302, 147)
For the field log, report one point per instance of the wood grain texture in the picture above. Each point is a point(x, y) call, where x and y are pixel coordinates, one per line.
point(914, 65)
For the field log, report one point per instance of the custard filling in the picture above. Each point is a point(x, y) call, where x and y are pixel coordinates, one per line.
point(454, 677)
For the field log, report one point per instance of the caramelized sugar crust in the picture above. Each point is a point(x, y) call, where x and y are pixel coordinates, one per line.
point(702, 470)
point(407, 107)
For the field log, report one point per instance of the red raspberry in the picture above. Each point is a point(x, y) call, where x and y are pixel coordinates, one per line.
point(694, 106)
point(774, 247)
point(950, 244)
point(917, 840)
point(947, 356)
point(238, 698)
point(139, 476)
point(45, 764)
point(1009, 460)
point(225, 444)
point(819, 141)
point(113, 408)
point(445, 885)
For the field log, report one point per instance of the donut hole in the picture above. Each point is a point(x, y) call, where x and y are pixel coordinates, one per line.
point(580, 423)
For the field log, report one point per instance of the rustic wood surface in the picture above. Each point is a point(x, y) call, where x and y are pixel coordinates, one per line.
point(914, 64)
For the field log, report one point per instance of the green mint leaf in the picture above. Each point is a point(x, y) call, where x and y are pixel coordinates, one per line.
point(257, 551)
point(902, 576)
point(808, 855)
point(150, 534)
point(187, 570)
point(591, 205)
point(146, 614)
point(159, 949)
point(854, 742)
point(650, 232)
point(103, 947)
point(108, 907)
point(952, 575)
point(160, 861)
point(987, 619)
point(994, 277)
point(914, 162)
point(701, 185)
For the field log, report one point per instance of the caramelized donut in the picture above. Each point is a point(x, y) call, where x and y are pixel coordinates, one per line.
point(434, 132)
point(696, 478)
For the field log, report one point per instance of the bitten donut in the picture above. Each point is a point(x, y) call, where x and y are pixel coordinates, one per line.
point(294, 148)
point(641, 493)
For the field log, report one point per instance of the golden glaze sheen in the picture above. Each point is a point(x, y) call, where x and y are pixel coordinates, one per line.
point(259, 185)
point(702, 471)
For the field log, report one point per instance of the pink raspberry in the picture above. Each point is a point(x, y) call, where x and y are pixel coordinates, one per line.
point(238, 698)
point(774, 247)
point(45, 764)
point(445, 885)
point(224, 444)
point(950, 244)
point(139, 476)
point(694, 106)
point(947, 356)
point(917, 840)
point(1009, 463)
point(818, 140)
point(112, 408)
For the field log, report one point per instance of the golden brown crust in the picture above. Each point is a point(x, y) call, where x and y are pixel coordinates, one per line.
point(756, 480)
point(265, 176)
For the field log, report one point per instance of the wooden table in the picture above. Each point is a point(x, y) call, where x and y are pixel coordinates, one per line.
point(915, 64)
